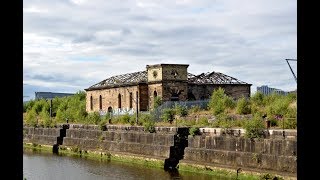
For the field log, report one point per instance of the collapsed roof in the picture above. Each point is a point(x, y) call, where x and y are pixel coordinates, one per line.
point(141, 77)
point(213, 78)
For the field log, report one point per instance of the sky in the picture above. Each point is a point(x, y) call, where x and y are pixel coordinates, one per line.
point(70, 45)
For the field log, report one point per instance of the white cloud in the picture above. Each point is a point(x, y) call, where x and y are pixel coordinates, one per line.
point(80, 43)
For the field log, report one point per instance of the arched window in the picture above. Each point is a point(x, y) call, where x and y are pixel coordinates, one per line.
point(130, 100)
point(91, 103)
point(155, 94)
point(119, 101)
point(100, 102)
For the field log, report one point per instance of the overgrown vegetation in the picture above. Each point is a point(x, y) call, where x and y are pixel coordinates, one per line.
point(194, 131)
point(220, 102)
point(223, 112)
point(254, 127)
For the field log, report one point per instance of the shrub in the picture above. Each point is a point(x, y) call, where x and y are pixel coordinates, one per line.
point(257, 99)
point(243, 106)
point(149, 126)
point(254, 127)
point(93, 118)
point(194, 109)
point(45, 118)
point(194, 131)
point(168, 114)
point(181, 110)
point(219, 102)
point(124, 119)
point(102, 125)
point(182, 122)
point(289, 123)
point(229, 102)
point(203, 121)
point(31, 118)
point(143, 118)
point(157, 102)
point(222, 121)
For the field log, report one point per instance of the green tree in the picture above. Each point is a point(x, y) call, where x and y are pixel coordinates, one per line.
point(243, 106)
point(219, 101)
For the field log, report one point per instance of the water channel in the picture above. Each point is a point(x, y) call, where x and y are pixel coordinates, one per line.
point(40, 165)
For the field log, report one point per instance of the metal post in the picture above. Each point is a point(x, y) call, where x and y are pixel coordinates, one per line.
point(137, 108)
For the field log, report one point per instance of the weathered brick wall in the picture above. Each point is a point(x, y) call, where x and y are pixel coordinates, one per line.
point(180, 88)
point(267, 154)
point(168, 72)
point(143, 97)
point(151, 89)
point(205, 91)
point(47, 136)
point(110, 98)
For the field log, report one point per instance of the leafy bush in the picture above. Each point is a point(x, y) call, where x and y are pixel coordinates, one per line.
point(94, 118)
point(144, 118)
point(254, 127)
point(182, 122)
point(243, 106)
point(290, 123)
point(168, 114)
point(102, 124)
point(257, 99)
point(125, 119)
point(31, 118)
point(45, 118)
point(203, 121)
point(194, 109)
point(222, 121)
point(157, 102)
point(219, 101)
point(181, 110)
point(149, 126)
point(194, 131)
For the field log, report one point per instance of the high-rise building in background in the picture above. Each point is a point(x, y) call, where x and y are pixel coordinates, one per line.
point(50, 95)
point(268, 90)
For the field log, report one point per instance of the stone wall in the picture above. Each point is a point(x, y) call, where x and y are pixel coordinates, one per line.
point(179, 88)
point(154, 88)
point(273, 154)
point(215, 147)
point(205, 91)
point(140, 143)
point(47, 136)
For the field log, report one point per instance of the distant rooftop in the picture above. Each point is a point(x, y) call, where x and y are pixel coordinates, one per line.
point(141, 77)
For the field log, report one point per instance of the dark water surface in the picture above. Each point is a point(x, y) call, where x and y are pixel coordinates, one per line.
point(50, 166)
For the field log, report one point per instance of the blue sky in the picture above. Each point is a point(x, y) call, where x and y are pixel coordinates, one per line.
point(71, 45)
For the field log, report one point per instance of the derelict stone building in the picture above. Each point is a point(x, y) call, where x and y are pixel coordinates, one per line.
point(171, 82)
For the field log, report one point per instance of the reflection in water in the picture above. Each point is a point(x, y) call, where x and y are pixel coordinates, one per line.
point(52, 166)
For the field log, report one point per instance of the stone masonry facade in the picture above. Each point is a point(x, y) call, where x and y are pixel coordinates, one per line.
point(170, 82)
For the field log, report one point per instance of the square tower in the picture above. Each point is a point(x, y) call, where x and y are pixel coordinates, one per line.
point(168, 81)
